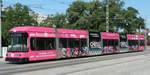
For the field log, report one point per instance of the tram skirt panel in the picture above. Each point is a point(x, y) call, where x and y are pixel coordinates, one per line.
point(95, 51)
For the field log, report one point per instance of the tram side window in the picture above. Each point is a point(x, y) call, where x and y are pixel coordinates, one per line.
point(133, 42)
point(130, 42)
point(142, 43)
point(136, 42)
point(105, 42)
point(50, 44)
point(83, 43)
point(70, 43)
point(110, 42)
point(63, 43)
point(115, 42)
point(42, 44)
point(76, 43)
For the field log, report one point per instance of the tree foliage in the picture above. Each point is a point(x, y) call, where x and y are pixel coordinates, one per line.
point(13, 16)
point(58, 20)
point(91, 16)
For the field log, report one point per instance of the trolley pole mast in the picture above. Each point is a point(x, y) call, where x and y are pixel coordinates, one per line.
point(107, 15)
point(0, 29)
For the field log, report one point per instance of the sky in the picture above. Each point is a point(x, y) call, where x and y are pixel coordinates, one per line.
point(53, 6)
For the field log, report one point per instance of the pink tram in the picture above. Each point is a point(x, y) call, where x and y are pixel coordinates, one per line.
point(136, 42)
point(40, 43)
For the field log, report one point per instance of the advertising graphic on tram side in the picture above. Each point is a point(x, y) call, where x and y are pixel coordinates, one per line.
point(123, 43)
point(95, 43)
point(31, 43)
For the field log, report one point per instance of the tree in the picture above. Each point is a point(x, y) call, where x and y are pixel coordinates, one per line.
point(58, 20)
point(131, 20)
point(77, 14)
point(115, 14)
point(91, 16)
point(13, 16)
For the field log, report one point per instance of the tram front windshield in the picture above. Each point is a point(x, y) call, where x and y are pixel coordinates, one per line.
point(18, 42)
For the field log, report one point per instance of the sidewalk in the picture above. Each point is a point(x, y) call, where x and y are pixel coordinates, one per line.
point(148, 47)
point(2, 60)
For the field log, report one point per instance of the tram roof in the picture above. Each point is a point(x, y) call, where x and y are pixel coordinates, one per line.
point(45, 29)
point(135, 37)
point(70, 31)
point(32, 29)
point(109, 35)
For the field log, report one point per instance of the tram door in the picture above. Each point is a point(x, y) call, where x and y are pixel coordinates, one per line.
point(110, 46)
point(142, 45)
point(95, 43)
point(133, 45)
point(123, 43)
point(73, 47)
point(69, 47)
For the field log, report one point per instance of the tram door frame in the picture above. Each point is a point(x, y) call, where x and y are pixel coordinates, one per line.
point(126, 43)
point(98, 47)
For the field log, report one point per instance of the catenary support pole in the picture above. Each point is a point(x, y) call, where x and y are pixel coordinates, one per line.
point(107, 15)
point(0, 29)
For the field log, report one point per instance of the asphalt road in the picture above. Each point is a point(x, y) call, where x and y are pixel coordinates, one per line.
point(21, 69)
